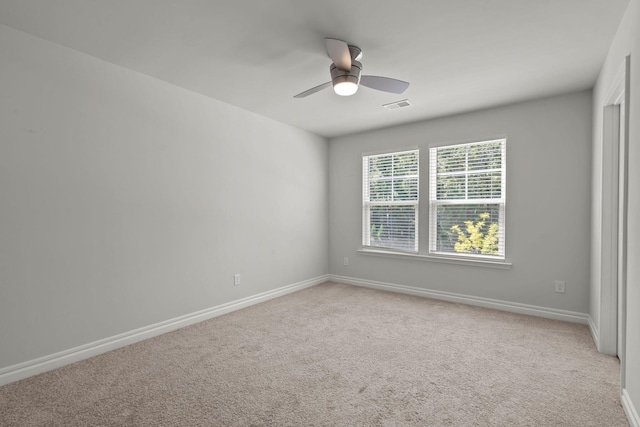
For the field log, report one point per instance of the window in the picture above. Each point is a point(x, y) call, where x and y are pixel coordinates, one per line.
point(390, 201)
point(467, 199)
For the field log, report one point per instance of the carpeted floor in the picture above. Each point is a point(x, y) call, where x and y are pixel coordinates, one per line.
point(337, 355)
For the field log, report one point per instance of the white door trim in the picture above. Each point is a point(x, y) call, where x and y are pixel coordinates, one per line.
point(609, 242)
point(614, 176)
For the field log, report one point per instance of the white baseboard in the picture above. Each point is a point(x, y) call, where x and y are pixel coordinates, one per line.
point(514, 307)
point(630, 410)
point(594, 333)
point(66, 357)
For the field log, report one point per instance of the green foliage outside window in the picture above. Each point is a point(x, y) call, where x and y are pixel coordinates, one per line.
point(477, 238)
point(376, 234)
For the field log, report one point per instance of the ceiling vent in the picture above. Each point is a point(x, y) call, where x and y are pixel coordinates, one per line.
point(398, 104)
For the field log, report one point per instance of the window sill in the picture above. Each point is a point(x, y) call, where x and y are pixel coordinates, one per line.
point(505, 265)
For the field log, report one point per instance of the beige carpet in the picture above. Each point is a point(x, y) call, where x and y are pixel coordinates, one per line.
point(337, 355)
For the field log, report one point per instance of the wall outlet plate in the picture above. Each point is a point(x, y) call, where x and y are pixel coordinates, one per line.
point(560, 286)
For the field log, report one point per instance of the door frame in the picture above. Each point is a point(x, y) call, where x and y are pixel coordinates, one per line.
point(614, 216)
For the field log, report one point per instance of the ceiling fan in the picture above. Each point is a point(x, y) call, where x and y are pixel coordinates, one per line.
point(345, 72)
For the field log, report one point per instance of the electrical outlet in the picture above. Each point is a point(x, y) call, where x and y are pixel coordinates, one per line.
point(560, 286)
point(236, 279)
point(346, 261)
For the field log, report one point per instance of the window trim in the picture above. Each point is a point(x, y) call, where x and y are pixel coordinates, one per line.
point(471, 261)
point(501, 203)
point(366, 205)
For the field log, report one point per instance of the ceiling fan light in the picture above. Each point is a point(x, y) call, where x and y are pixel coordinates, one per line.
point(347, 88)
point(345, 82)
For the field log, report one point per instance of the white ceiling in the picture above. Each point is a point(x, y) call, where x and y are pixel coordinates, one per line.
point(459, 55)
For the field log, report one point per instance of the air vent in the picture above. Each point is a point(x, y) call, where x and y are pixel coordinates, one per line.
point(398, 104)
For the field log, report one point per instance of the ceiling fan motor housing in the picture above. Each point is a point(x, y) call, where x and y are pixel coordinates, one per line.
point(341, 76)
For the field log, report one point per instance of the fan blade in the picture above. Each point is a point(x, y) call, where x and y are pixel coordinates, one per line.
point(338, 51)
point(313, 90)
point(384, 84)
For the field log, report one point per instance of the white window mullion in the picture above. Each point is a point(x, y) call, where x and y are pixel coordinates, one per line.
point(396, 203)
point(469, 201)
point(503, 194)
point(365, 201)
point(501, 227)
point(433, 188)
point(466, 175)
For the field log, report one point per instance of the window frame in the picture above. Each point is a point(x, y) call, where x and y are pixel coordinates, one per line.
point(367, 203)
point(434, 203)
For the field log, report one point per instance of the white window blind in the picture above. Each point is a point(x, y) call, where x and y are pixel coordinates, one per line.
point(467, 199)
point(390, 201)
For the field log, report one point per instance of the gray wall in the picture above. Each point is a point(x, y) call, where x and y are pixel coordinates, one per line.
point(126, 201)
point(626, 42)
point(548, 200)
